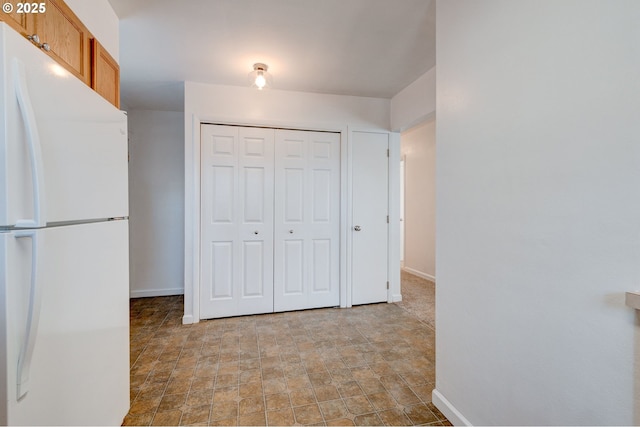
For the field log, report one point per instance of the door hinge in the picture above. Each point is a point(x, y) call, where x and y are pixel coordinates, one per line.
point(387, 152)
point(387, 285)
point(387, 219)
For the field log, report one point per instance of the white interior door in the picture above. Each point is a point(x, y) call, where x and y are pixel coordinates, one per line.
point(236, 258)
point(307, 220)
point(370, 231)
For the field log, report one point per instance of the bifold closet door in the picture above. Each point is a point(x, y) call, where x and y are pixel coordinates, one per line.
point(307, 220)
point(237, 194)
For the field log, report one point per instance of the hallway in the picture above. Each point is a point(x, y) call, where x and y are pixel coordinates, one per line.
point(369, 365)
point(419, 298)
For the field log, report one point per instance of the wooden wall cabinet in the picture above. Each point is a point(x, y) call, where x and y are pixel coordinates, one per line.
point(105, 74)
point(67, 37)
point(21, 22)
point(71, 44)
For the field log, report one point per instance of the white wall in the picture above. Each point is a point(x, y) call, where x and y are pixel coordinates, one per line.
point(286, 107)
point(247, 106)
point(538, 232)
point(156, 202)
point(415, 103)
point(99, 17)
point(418, 147)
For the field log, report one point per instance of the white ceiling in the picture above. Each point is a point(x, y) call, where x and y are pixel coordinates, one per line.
point(371, 48)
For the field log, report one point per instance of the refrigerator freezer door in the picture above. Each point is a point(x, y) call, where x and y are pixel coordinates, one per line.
point(79, 372)
point(82, 168)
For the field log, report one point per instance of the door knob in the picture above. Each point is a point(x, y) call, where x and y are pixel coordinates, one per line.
point(357, 228)
point(255, 232)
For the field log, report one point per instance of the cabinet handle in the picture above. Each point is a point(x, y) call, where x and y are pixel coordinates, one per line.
point(35, 39)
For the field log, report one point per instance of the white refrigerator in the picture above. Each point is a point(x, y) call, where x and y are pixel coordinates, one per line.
point(64, 269)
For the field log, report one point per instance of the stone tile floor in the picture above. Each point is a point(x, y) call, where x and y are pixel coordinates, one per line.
point(419, 298)
point(368, 365)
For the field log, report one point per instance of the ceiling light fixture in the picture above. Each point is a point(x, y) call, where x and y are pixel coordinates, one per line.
point(259, 77)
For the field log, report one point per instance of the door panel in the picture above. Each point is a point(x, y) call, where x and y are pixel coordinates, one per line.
point(222, 185)
point(321, 265)
point(256, 226)
point(254, 198)
point(223, 147)
point(253, 274)
point(307, 210)
point(105, 74)
point(83, 330)
point(321, 195)
point(68, 38)
point(294, 271)
point(370, 210)
point(294, 195)
point(222, 267)
point(237, 221)
point(324, 251)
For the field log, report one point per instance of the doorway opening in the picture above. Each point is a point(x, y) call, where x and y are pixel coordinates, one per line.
point(417, 219)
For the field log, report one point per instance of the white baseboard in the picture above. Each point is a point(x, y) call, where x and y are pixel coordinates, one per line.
point(419, 274)
point(155, 293)
point(187, 319)
point(396, 297)
point(448, 410)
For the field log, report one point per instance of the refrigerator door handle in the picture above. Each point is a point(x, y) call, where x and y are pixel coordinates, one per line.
point(33, 316)
point(35, 151)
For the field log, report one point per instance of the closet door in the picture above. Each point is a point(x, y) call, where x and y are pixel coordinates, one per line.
point(236, 254)
point(307, 220)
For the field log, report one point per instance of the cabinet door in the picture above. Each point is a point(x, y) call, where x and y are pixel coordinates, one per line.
point(67, 37)
point(21, 22)
point(105, 74)
point(307, 220)
point(236, 256)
